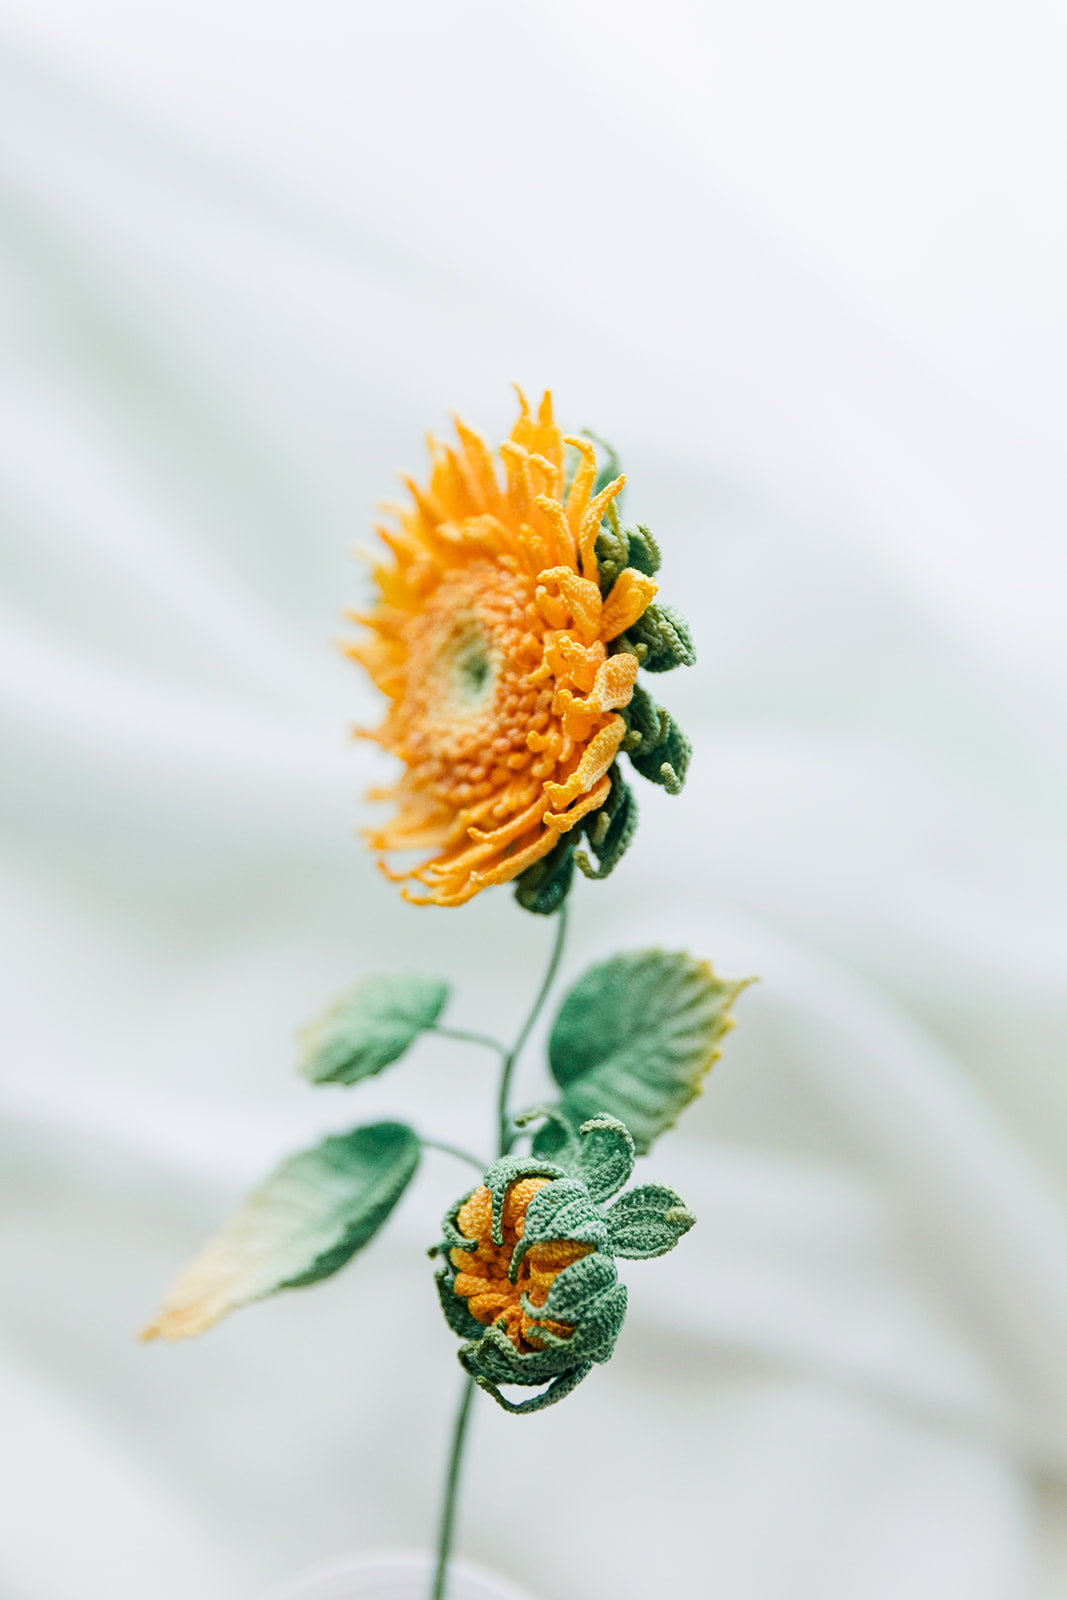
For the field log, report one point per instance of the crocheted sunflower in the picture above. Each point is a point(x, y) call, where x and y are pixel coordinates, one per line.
point(507, 634)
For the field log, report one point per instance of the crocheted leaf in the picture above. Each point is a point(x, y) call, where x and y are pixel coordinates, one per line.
point(544, 886)
point(609, 830)
point(634, 1038)
point(454, 1306)
point(302, 1224)
point(575, 1288)
point(648, 1221)
point(606, 1156)
point(369, 1026)
point(667, 762)
point(558, 1389)
point(561, 1210)
point(666, 636)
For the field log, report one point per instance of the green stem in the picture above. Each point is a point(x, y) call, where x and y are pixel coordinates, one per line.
point(448, 1510)
point(507, 1139)
point(470, 1038)
point(454, 1150)
point(507, 1133)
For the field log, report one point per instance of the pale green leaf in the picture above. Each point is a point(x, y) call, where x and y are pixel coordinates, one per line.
point(302, 1224)
point(647, 1221)
point(605, 1156)
point(369, 1026)
point(636, 1035)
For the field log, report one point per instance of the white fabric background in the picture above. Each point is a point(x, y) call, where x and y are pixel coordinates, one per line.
point(804, 265)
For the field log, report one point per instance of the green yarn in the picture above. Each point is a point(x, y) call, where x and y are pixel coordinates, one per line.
point(648, 1221)
point(605, 1156)
point(369, 1026)
point(666, 637)
point(635, 1036)
point(348, 1185)
point(544, 886)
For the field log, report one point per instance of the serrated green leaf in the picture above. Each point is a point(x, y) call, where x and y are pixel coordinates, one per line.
point(648, 1221)
point(309, 1217)
point(636, 1035)
point(369, 1026)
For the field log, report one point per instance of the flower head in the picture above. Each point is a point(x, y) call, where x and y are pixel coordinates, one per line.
point(529, 1279)
point(507, 634)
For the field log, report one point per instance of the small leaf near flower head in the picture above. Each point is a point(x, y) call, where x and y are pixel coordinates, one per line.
point(557, 1390)
point(606, 1156)
point(301, 1225)
point(610, 830)
point(560, 1141)
point(563, 1209)
point(619, 547)
point(648, 1221)
point(657, 747)
point(369, 1026)
point(544, 886)
point(635, 1037)
point(643, 550)
point(666, 636)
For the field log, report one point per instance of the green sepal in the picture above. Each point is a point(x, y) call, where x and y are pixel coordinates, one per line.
point(647, 724)
point(648, 1221)
point(635, 1036)
point(369, 1026)
point(642, 550)
point(597, 1323)
point(666, 762)
point(453, 1239)
point(620, 547)
point(610, 830)
point(556, 1140)
point(605, 1156)
point(600, 1154)
point(557, 1390)
point(503, 1173)
point(543, 887)
point(574, 1288)
point(454, 1306)
point(561, 1210)
point(665, 635)
point(551, 1142)
point(601, 1319)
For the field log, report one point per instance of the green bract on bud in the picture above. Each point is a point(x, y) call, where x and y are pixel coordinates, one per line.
point(529, 1279)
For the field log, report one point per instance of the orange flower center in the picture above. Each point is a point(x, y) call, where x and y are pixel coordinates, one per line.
point(469, 705)
point(482, 1279)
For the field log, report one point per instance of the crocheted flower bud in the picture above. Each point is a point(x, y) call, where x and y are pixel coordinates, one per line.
point(529, 1280)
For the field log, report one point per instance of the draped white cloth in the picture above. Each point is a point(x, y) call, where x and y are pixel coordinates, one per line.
point(804, 266)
